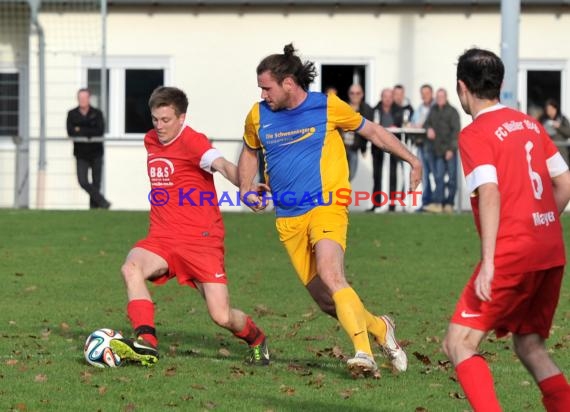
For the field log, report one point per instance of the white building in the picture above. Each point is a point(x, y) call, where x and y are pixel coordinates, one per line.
point(210, 49)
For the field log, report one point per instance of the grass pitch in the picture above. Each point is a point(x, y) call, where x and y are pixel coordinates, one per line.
point(61, 280)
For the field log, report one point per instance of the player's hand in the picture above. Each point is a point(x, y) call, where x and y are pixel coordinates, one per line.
point(415, 175)
point(448, 155)
point(430, 134)
point(483, 281)
point(254, 198)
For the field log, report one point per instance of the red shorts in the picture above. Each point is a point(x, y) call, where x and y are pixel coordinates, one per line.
point(188, 261)
point(522, 303)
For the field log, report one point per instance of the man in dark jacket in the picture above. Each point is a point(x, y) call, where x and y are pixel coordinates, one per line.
point(386, 115)
point(83, 124)
point(442, 128)
point(353, 142)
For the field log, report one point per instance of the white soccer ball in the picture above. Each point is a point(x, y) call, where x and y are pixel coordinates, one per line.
point(97, 349)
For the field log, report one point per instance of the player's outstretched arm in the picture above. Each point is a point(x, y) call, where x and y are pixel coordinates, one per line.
point(250, 192)
point(561, 188)
point(227, 169)
point(386, 141)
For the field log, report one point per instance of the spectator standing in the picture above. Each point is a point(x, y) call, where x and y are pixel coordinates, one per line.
point(85, 123)
point(354, 142)
point(425, 146)
point(384, 115)
point(443, 128)
point(557, 126)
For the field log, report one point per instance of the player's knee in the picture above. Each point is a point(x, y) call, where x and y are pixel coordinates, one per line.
point(525, 346)
point(130, 270)
point(221, 318)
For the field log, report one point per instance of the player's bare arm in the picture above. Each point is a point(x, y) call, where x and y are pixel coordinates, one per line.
point(227, 169)
point(251, 193)
point(561, 189)
point(489, 210)
point(386, 141)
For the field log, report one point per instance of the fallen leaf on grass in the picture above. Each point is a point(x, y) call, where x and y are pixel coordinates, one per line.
point(309, 314)
point(262, 310)
point(40, 378)
point(198, 386)
point(209, 405)
point(130, 407)
point(287, 390)
point(423, 358)
point(45, 334)
point(237, 372)
point(318, 382)
point(102, 390)
point(525, 383)
point(11, 362)
point(223, 352)
point(64, 326)
point(405, 343)
point(347, 393)
point(20, 407)
point(31, 288)
point(421, 409)
point(85, 376)
point(170, 371)
point(186, 397)
point(456, 395)
point(299, 369)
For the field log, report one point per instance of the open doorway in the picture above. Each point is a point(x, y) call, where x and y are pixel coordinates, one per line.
point(341, 77)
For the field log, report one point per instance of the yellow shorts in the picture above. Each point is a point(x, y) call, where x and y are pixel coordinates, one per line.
point(300, 234)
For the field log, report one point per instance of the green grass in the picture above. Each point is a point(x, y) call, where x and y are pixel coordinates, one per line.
point(61, 280)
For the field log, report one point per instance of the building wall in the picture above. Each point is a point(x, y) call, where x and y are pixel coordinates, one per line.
point(214, 53)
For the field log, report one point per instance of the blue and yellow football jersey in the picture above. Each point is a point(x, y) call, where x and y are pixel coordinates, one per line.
point(305, 159)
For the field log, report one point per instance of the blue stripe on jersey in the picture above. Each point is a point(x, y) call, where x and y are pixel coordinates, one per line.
point(293, 143)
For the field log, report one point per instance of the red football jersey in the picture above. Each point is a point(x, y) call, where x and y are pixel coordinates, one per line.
point(511, 149)
point(183, 196)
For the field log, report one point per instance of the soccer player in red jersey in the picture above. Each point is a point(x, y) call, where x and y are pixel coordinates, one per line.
point(520, 184)
point(186, 235)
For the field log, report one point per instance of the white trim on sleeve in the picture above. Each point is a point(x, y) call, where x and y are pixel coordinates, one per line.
point(481, 175)
point(556, 165)
point(208, 158)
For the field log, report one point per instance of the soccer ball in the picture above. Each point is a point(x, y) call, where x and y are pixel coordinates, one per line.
point(97, 349)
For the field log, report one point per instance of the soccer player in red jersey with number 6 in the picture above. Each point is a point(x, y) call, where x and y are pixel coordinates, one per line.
point(519, 186)
point(186, 235)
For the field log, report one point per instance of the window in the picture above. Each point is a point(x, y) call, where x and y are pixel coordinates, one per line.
point(540, 81)
point(541, 85)
point(130, 83)
point(343, 72)
point(139, 85)
point(9, 104)
point(341, 77)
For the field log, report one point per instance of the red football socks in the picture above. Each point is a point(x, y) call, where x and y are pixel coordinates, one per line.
point(141, 314)
point(556, 393)
point(250, 333)
point(477, 383)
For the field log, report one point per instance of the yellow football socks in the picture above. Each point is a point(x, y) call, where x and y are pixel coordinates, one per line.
point(351, 315)
point(376, 326)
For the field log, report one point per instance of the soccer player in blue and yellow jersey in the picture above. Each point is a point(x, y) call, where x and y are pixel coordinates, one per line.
point(306, 166)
